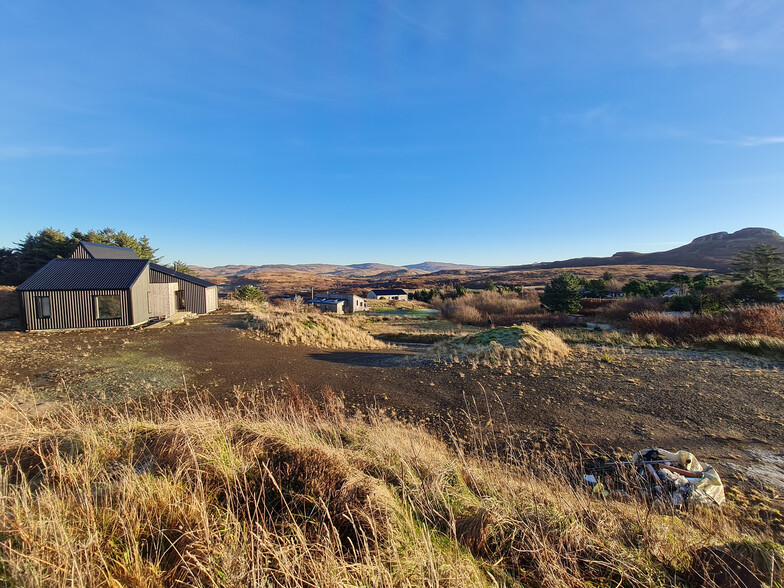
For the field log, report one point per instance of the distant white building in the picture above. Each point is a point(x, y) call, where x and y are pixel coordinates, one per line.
point(352, 303)
point(674, 291)
point(392, 294)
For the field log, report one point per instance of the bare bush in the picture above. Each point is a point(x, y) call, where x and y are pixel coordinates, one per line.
point(489, 307)
point(754, 320)
point(620, 309)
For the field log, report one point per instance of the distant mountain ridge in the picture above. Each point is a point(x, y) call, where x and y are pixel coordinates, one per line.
point(713, 252)
point(360, 270)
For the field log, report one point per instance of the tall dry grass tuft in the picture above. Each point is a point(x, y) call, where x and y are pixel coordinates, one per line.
point(298, 325)
point(504, 347)
point(289, 491)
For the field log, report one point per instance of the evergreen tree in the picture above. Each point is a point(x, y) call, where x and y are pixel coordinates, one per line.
point(180, 266)
point(562, 294)
point(761, 262)
point(108, 236)
point(755, 290)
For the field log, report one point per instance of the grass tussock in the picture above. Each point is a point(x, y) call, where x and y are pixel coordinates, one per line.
point(296, 325)
point(504, 347)
point(292, 492)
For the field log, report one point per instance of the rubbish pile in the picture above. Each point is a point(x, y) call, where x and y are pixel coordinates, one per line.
point(662, 475)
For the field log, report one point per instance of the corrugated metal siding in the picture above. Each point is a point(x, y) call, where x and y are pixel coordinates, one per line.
point(80, 253)
point(195, 296)
point(73, 310)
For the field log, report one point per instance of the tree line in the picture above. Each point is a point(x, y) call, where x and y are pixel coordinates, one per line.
point(26, 257)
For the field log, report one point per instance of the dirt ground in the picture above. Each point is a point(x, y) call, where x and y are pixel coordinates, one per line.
point(727, 409)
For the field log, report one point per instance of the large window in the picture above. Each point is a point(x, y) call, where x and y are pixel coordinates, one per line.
point(180, 297)
point(108, 307)
point(43, 307)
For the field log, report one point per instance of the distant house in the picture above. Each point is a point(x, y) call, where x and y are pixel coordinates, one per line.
point(328, 304)
point(674, 291)
point(352, 303)
point(393, 294)
point(106, 286)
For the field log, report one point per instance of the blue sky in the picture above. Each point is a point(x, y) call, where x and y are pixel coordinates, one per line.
point(392, 131)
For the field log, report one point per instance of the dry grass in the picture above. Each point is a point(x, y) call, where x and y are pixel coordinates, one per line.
point(9, 302)
point(488, 307)
point(767, 321)
point(761, 345)
point(287, 492)
point(504, 347)
point(614, 338)
point(292, 324)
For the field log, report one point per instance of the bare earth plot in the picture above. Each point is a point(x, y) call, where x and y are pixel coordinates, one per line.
point(726, 408)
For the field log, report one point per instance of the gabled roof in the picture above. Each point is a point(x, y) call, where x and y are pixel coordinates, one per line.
point(393, 292)
point(175, 274)
point(99, 251)
point(86, 274)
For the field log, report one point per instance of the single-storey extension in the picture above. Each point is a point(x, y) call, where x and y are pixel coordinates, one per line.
point(392, 294)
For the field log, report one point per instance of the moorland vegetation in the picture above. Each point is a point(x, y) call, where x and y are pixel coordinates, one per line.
point(278, 489)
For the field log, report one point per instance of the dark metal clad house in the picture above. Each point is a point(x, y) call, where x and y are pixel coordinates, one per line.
point(87, 250)
point(192, 294)
point(84, 293)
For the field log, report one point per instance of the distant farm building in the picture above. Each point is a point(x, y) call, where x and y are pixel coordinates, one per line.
point(106, 286)
point(393, 294)
point(352, 303)
point(335, 305)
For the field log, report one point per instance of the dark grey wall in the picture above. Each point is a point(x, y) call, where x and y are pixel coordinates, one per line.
point(74, 310)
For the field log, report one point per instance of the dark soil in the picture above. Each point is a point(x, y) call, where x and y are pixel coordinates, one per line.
point(720, 406)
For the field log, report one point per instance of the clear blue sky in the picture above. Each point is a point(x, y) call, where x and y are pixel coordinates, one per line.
point(392, 131)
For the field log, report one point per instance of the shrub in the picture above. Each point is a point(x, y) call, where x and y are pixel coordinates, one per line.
point(249, 293)
point(9, 302)
point(485, 307)
point(562, 294)
point(620, 309)
point(753, 320)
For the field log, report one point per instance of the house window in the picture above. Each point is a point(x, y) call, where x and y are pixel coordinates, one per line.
point(179, 295)
point(108, 307)
point(43, 307)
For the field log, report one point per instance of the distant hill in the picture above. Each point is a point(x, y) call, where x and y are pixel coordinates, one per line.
point(714, 252)
point(357, 270)
point(709, 253)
